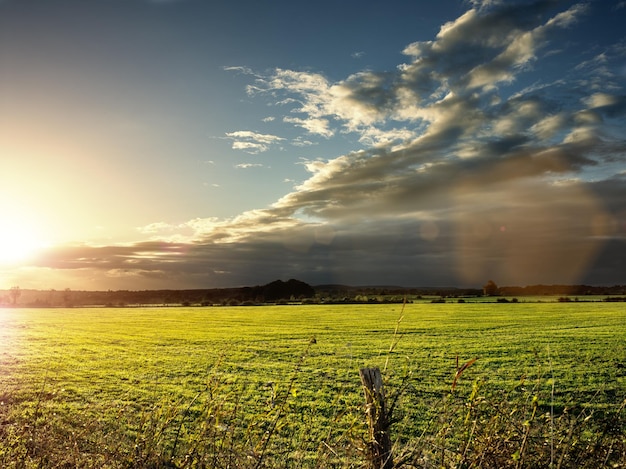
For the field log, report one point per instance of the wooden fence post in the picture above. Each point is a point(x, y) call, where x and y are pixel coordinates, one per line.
point(380, 454)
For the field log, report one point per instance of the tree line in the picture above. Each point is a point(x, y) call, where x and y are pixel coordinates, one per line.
point(279, 292)
point(276, 291)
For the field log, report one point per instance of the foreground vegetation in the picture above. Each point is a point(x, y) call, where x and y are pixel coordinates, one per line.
point(279, 386)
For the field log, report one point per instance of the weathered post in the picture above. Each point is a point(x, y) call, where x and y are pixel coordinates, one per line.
point(380, 454)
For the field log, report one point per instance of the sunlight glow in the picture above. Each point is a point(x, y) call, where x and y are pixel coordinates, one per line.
point(19, 239)
point(16, 246)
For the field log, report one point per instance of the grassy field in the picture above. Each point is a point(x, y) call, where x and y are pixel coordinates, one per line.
point(278, 386)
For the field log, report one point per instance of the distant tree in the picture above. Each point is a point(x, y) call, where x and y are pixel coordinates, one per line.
point(15, 293)
point(278, 290)
point(67, 298)
point(491, 289)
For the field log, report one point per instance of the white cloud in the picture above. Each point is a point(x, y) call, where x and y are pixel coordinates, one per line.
point(248, 165)
point(600, 100)
point(550, 126)
point(250, 147)
point(239, 69)
point(155, 228)
point(569, 17)
point(302, 142)
point(252, 142)
point(248, 135)
point(312, 125)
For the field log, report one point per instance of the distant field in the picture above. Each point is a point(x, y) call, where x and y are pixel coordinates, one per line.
point(110, 385)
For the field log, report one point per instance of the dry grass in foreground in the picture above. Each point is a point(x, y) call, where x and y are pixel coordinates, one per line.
point(482, 428)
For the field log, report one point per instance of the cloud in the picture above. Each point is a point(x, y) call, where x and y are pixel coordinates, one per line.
point(252, 142)
point(462, 175)
point(302, 142)
point(483, 50)
point(248, 165)
point(456, 158)
point(312, 125)
point(239, 69)
point(477, 52)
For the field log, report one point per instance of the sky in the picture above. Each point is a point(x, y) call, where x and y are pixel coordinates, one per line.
point(150, 144)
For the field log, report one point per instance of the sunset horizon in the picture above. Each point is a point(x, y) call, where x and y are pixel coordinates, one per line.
point(151, 145)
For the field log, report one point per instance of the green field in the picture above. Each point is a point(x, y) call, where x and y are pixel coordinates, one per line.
point(248, 386)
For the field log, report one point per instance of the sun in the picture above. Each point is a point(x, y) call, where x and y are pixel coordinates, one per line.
point(18, 243)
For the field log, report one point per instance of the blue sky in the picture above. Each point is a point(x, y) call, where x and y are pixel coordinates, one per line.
point(188, 144)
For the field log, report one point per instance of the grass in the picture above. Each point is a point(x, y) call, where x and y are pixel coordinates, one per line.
point(248, 387)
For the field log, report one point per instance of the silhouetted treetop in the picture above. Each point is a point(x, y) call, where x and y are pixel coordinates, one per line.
point(491, 289)
point(278, 289)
